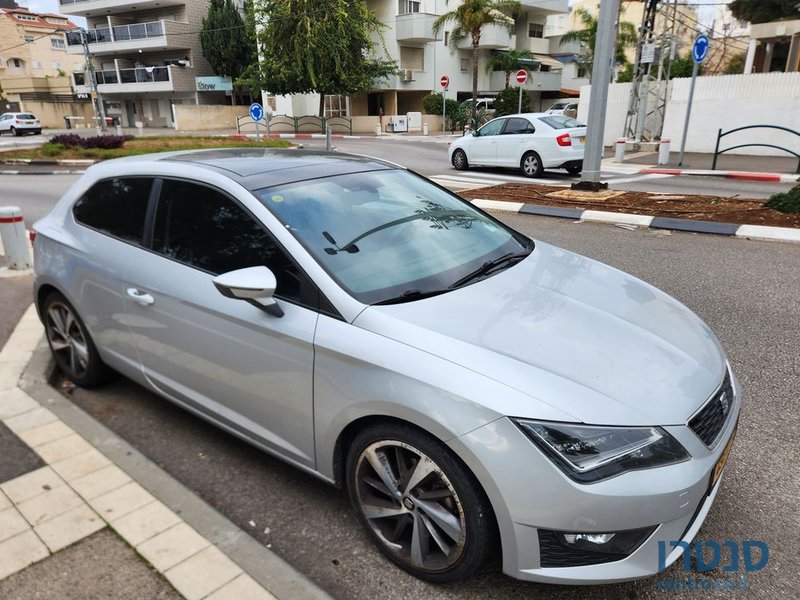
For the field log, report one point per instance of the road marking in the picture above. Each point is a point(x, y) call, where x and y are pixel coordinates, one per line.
point(647, 177)
point(468, 180)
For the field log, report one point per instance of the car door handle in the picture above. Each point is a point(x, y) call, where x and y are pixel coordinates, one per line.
point(141, 297)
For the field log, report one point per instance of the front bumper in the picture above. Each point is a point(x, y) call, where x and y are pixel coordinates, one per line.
point(529, 493)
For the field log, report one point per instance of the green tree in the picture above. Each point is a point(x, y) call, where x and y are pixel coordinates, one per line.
point(763, 11)
point(322, 46)
point(587, 36)
point(510, 62)
point(625, 74)
point(682, 67)
point(736, 64)
point(225, 41)
point(468, 20)
point(507, 102)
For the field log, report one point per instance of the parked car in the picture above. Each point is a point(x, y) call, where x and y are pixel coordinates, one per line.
point(531, 142)
point(478, 393)
point(19, 123)
point(484, 104)
point(570, 109)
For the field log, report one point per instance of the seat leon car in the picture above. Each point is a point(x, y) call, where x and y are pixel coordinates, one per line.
point(479, 394)
point(17, 123)
point(531, 142)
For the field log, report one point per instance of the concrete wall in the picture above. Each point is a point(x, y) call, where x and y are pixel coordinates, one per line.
point(51, 114)
point(721, 102)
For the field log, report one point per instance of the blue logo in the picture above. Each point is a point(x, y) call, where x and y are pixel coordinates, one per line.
point(256, 111)
point(752, 556)
point(700, 48)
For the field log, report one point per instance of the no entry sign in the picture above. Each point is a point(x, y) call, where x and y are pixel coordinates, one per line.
point(521, 76)
point(444, 81)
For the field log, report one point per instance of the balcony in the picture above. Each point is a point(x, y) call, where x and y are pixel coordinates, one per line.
point(415, 28)
point(538, 81)
point(151, 36)
point(138, 80)
point(93, 8)
point(546, 7)
point(492, 37)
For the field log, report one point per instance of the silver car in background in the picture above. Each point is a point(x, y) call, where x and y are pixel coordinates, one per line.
point(477, 393)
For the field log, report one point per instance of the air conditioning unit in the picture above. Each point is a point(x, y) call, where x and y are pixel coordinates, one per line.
point(407, 75)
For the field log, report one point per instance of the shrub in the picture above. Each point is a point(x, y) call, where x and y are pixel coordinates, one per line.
point(68, 140)
point(788, 202)
point(51, 149)
point(104, 142)
point(432, 105)
point(507, 102)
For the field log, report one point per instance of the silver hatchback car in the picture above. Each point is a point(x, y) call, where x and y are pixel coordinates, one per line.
point(475, 392)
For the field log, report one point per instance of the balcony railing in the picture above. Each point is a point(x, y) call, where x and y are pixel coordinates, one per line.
point(134, 75)
point(119, 33)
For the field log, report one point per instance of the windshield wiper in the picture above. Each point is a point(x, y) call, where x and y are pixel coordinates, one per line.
point(411, 295)
point(506, 261)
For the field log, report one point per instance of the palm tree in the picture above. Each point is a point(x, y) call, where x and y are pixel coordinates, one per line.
point(587, 35)
point(511, 61)
point(468, 20)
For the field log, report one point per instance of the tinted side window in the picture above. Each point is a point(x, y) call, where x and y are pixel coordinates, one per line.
point(492, 127)
point(518, 125)
point(205, 229)
point(116, 207)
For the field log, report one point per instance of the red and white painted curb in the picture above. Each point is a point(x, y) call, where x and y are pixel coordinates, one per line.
point(740, 175)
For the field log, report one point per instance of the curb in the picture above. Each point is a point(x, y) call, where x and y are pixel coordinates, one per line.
point(73, 162)
point(111, 484)
point(739, 175)
point(750, 232)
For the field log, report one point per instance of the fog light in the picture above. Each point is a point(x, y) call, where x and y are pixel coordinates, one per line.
point(618, 542)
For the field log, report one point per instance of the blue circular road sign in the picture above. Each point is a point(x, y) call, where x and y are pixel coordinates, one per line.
point(256, 111)
point(700, 48)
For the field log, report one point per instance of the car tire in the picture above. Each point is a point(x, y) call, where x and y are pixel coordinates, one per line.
point(574, 169)
point(15, 132)
point(445, 510)
point(460, 161)
point(37, 132)
point(73, 348)
point(531, 165)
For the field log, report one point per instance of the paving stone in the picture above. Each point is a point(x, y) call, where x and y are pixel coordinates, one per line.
point(172, 546)
point(14, 402)
point(11, 523)
point(49, 504)
point(20, 551)
point(46, 433)
point(101, 481)
point(202, 573)
point(79, 465)
point(242, 587)
point(119, 502)
point(30, 485)
point(11, 371)
point(145, 522)
point(33, 418)
point(69, 527)
point(64, 448)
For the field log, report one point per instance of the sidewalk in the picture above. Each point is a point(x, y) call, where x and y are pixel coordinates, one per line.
point(83, 514)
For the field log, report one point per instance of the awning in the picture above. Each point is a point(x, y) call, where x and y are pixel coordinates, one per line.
point(529, 62)
point(548, 60)
point(566, 58)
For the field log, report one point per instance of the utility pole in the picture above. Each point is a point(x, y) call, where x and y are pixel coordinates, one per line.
point(97, 100)
point(601, 77)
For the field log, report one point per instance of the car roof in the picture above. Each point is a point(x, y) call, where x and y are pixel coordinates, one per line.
point(257, 168)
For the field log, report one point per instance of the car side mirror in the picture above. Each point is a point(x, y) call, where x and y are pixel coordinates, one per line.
point(255, 285)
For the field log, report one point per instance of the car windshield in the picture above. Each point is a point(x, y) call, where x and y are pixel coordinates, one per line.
point(391, 235)
point(561, 122)
point(25, 116)
point(558, 107)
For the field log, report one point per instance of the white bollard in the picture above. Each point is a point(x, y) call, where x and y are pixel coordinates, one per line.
point(619, 150)
point(15, 238)
point(378, 131)
point(119, 129)
point(424, 129)
point(140, 128)
point(663, 152)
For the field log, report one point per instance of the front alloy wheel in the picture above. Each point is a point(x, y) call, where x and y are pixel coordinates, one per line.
point(532, 165)
point(423, 509)
point(460, 161)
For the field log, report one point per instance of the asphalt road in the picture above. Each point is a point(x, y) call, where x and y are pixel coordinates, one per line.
point(747, 291)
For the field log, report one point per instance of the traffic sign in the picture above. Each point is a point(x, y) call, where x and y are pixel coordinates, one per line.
point(256, 111)
point(444, 81)
point(521, 76)
point(700, 48)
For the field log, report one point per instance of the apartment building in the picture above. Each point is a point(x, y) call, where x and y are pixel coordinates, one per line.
point(33, 55)
point(147, 57)
point(424, 58)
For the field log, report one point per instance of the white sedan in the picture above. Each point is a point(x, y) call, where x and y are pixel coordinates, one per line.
point(18, 123)
point(531, 142)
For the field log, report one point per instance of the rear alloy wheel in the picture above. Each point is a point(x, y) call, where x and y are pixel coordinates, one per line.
point(460, 161)
point(423, 509)
point(531, 165)
point(574, 169)
point(14, 131)
point(72, 346)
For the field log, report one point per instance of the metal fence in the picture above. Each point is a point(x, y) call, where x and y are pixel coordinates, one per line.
point(301, 124)
point(722, 134)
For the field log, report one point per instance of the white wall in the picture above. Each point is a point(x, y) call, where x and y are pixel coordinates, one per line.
point(721, 102)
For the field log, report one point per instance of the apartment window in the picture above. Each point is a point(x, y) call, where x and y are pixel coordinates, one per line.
point(29, 39)
point(535, 30)
point(464, 65)
point(412, 58)
point(581, 72)
point(22, 17)
point(409, 6)
point(55, 20)
point(446, 38)
point(58, 43)
point(335, 106)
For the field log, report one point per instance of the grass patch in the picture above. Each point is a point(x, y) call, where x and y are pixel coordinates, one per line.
point(143, 145)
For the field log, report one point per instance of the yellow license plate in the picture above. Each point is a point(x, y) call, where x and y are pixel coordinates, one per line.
point(718, 468)
point(583, 139)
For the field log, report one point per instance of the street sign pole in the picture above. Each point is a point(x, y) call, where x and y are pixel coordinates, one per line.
point(257, 113)
point(519, 106)
point(444, 81)
point(699, 54)
point(521, 77)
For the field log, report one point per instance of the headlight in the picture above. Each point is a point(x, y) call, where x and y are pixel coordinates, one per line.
point(588, 454)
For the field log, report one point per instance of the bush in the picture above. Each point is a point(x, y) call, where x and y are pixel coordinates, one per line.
point(103, 142)
point(51, 149)
point(788, 202)
point(432, 105)
point(507, 102)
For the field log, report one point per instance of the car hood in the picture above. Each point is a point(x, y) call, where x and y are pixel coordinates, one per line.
point(597, 344)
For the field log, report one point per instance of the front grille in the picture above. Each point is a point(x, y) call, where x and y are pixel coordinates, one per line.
point(553, 553)
point(710, 420)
